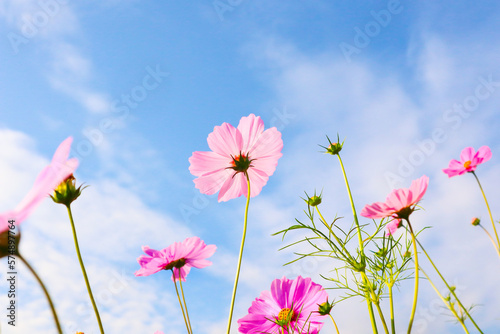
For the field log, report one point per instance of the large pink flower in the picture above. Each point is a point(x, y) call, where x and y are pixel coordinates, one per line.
point(192, 252)
point(235, 152)
point(399, 204)
point(49, 178)
point(469, 159)
point(290, 306)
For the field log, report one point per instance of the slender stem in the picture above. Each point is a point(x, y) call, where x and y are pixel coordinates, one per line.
point(47, 295)
point(335, 324)
point(240, 257)
point(489, 211)
point(491, 238)
point(377, 305)
point(180, 303)
point(391, 303)
point(361, 247)
point(415, 292)
point(449, 288)
point(185, 305)
point(89, 290)
point(452, 309)
point(352, 205)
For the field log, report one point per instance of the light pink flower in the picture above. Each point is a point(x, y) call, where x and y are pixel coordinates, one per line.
point(180, 256)
point(49, 178)
point(290, 306)
point(469, 159)
point(399, 204)
point(158, 332)
point(236, 151)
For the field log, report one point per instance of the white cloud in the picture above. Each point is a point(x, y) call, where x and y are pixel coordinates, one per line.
point(112, 223)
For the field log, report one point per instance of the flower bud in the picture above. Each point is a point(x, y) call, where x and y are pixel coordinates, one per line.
point(325, 308)
point(314, 200)
point(475, 221)
point(334, 148)
point(67, 192)
point(9, 243)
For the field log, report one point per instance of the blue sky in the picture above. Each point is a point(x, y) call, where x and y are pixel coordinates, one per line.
point(140, 85)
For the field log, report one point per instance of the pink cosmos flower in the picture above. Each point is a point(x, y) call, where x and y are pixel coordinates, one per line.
point(399, 204)
point(469, 159)
point(247, 149)
point(290, 306)
point(180, 256)
point(49, 178)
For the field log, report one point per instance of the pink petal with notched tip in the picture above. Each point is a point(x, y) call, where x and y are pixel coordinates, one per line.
point(48, 179)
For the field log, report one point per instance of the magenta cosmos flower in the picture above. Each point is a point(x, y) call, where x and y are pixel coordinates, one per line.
point(247, 149)
point(49, 178)
point(180, 256)
point(290, 307)
point(469, 159)
point(399, 204)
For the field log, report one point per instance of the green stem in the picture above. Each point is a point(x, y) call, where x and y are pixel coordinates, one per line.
point(415, 292)
point(185, 304)
point(449, 288)
point(335, 324)
point(489, 211)
point(361, 247)
point(239, 258)
point(180, 303)
point(491, 238)
point(352, 206)
point(89, 290)
point(391, 303)
point(39, 280)
point(377, 305)
point(452, 309)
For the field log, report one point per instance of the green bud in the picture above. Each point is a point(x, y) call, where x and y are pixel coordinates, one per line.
point(334, 148)
point(325, 308)
point(475, 221)
point(67, 192)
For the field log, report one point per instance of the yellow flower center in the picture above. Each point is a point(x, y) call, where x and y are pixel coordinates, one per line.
point(283, 315)
point(467, 164)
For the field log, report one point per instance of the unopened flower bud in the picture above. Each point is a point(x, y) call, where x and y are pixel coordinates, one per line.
point(67, 192)
point(314, 200)
point(325, 308)
point(334, 148)
point(475, 221)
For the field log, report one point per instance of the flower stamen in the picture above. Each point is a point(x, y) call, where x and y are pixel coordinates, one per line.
point(467, 164)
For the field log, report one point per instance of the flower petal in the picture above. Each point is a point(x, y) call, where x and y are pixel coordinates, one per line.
point(205, 162)
point(233, 187)
point(225, 140)
point(467, 154)
point(251, 128)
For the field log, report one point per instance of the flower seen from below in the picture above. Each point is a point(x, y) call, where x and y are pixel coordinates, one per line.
point(237, 152)
point(399, 204)
point(469, 159)
point(290, 307)
point(179, 257)
point(49, 178)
